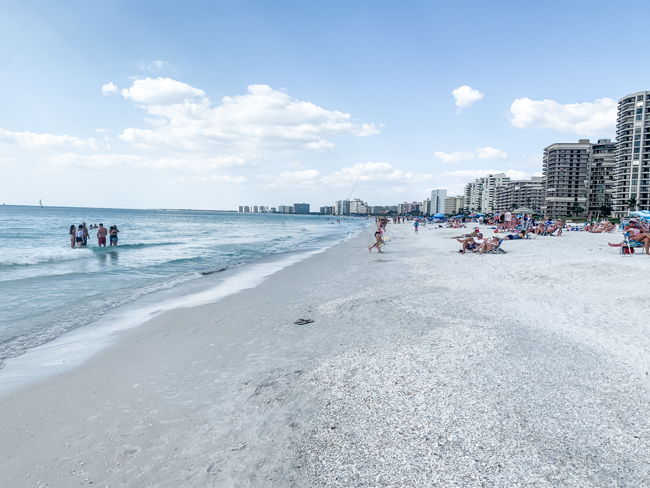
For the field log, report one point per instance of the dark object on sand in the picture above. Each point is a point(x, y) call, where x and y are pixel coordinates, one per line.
point(303, 321)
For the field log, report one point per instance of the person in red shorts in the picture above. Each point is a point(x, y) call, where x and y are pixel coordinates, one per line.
point(101, 235)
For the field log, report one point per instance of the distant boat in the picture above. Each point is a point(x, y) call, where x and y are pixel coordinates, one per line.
point(41, 203)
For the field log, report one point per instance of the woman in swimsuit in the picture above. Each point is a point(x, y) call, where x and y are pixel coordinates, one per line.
point(79, 235)
point(73, 231)
point(378, 240)
point(113, 235)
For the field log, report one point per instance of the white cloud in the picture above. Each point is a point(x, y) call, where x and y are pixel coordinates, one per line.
point(373, 173)
point(490, 153)
point(109, 89)
point(454, 157)
point(466, 96)
point(161, 91)
point(586, 118)
point(455, 181)
point(216, 178)
point(154, 66)
point(480, 152)
point(103, 161)
point(262, 121)
point(33, 140)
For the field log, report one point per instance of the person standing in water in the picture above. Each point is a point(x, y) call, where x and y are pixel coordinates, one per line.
point(101, 235)
point(86, 233)
point(79, 236)
point(113, 235)
point(73, 235)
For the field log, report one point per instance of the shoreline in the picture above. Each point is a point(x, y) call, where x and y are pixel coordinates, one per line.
point(234, 393)
point(77, 345)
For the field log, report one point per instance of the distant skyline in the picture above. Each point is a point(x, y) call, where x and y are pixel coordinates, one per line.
point(210, 105)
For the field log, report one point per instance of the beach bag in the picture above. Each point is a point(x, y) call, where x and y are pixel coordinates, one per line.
point(628, 250)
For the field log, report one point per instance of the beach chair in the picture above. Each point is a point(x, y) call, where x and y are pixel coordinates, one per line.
point(629, 245)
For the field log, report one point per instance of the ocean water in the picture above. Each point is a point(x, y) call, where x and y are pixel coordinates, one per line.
point(48, 289)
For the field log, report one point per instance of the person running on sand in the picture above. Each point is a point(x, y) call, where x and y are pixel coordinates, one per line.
point(378, 240)
point(101, 235)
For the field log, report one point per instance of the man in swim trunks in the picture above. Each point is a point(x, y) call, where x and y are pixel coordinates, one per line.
point(101, 235)
point(86, 233)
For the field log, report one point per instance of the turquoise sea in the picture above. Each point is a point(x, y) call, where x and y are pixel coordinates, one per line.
point(48, 289)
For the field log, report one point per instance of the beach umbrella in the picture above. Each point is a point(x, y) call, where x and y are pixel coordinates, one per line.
point(459, 216)
point(439, 216)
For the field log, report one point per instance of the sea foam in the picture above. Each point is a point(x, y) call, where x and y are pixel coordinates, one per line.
point(40, 256)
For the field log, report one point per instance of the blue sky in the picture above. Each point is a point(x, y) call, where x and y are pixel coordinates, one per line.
point(210, 105)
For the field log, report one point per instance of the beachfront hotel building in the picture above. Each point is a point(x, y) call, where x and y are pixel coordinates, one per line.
point(438, 201)
point(520, 194)
point(301, 208)
point(342, 207)
point(453, 205)
point(426, 207)
point(632, 168)
point(565, 167)
point(580, 175)
point(358, 207)
point(600, 177)
point(479, 195)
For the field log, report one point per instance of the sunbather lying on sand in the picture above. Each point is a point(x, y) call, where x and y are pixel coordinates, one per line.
point(519, 235)
point(474, 233)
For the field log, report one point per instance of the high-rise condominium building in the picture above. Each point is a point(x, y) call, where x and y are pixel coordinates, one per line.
point(301, 208)
point(579, 176)
point(565, 167)
point(426, 207)
point(342, 207)
point(358, 207)
point(479, 195)
point(600, 187)
point(438, 201)
point(632, 170)
point(519, 194)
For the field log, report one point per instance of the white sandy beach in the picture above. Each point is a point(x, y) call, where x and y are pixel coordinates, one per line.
point(422, 367)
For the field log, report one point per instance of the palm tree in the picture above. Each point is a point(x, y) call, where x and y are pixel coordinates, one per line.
point(631, 203)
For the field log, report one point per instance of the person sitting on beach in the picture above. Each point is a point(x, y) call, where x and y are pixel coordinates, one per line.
point(471, 243)
point(489, 245)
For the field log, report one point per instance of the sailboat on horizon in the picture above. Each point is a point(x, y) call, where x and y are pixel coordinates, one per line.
point(40, 202)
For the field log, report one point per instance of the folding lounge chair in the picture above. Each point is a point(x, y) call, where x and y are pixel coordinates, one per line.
point(629, 245)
